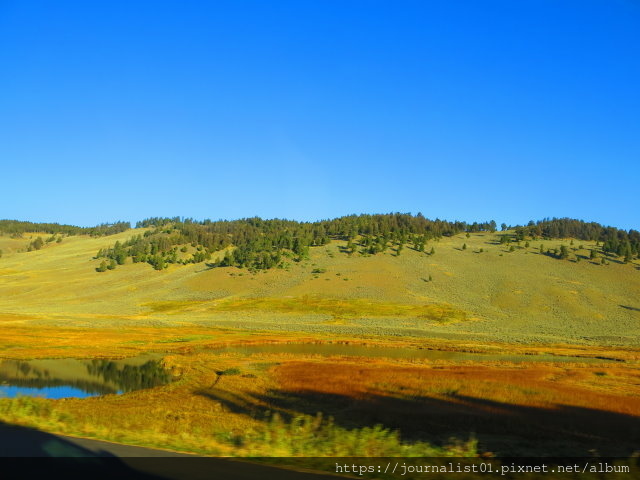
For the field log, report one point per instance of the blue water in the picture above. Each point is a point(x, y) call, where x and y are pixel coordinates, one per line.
point(65, 378)
point(7, 391)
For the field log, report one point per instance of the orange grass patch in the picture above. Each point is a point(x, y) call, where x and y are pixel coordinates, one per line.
point(539, 386)
point(524, 409)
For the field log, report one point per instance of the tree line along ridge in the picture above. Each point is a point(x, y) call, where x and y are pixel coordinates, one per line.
point(260, 244)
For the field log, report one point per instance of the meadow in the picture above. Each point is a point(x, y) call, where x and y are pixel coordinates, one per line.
point(486, 298)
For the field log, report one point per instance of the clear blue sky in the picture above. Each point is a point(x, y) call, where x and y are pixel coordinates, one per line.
point(511, 110)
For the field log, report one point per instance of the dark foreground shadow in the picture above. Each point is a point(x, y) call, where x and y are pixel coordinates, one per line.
point(27, 453)
point(31, 453)
point(501, 428)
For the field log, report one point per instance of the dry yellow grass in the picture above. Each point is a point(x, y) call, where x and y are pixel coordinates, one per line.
point(207, 413)
point(54, 304)
point(517, 296)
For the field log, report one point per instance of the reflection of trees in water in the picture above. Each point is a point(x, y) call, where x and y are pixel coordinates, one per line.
point(129, 377)
point(106, 372)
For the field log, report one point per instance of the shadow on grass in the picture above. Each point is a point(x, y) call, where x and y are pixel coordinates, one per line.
point(627, 307)
point(501, 428)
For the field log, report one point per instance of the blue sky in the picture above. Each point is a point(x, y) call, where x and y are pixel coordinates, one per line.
point(314, 109)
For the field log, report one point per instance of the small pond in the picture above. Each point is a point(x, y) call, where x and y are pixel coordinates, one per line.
point(330, 349)
point(69, 377)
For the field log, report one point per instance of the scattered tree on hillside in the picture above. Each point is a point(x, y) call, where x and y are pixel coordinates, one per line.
point(261, 244)
point(564, 252)
point(35, 244)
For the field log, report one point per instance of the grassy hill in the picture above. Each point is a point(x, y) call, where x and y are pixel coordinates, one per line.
point(484, 291)
point(548, 330)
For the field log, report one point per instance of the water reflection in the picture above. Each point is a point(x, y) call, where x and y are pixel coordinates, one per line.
point(351, 350)
point(61, 378)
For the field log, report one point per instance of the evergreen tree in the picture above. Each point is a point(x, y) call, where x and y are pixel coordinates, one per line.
point(37, 243)
point(564, 252)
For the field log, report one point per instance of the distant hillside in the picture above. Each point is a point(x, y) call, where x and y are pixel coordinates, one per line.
point(263, 244)
point(17, 228)
point(515, 285)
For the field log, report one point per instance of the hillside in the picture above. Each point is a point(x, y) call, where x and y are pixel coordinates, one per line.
point(488, 290)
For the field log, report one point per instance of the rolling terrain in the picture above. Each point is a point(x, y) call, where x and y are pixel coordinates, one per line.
point(534, 354)
point(496, 294)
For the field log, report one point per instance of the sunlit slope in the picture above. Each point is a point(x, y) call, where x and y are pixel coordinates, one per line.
point(495, 293)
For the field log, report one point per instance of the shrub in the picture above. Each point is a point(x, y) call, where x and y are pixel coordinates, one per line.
point(306, 435)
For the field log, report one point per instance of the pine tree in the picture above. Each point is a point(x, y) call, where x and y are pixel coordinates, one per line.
point(37, 243)
point(564, 252)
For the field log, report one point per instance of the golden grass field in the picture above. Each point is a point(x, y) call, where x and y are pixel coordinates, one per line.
point(53, 304)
